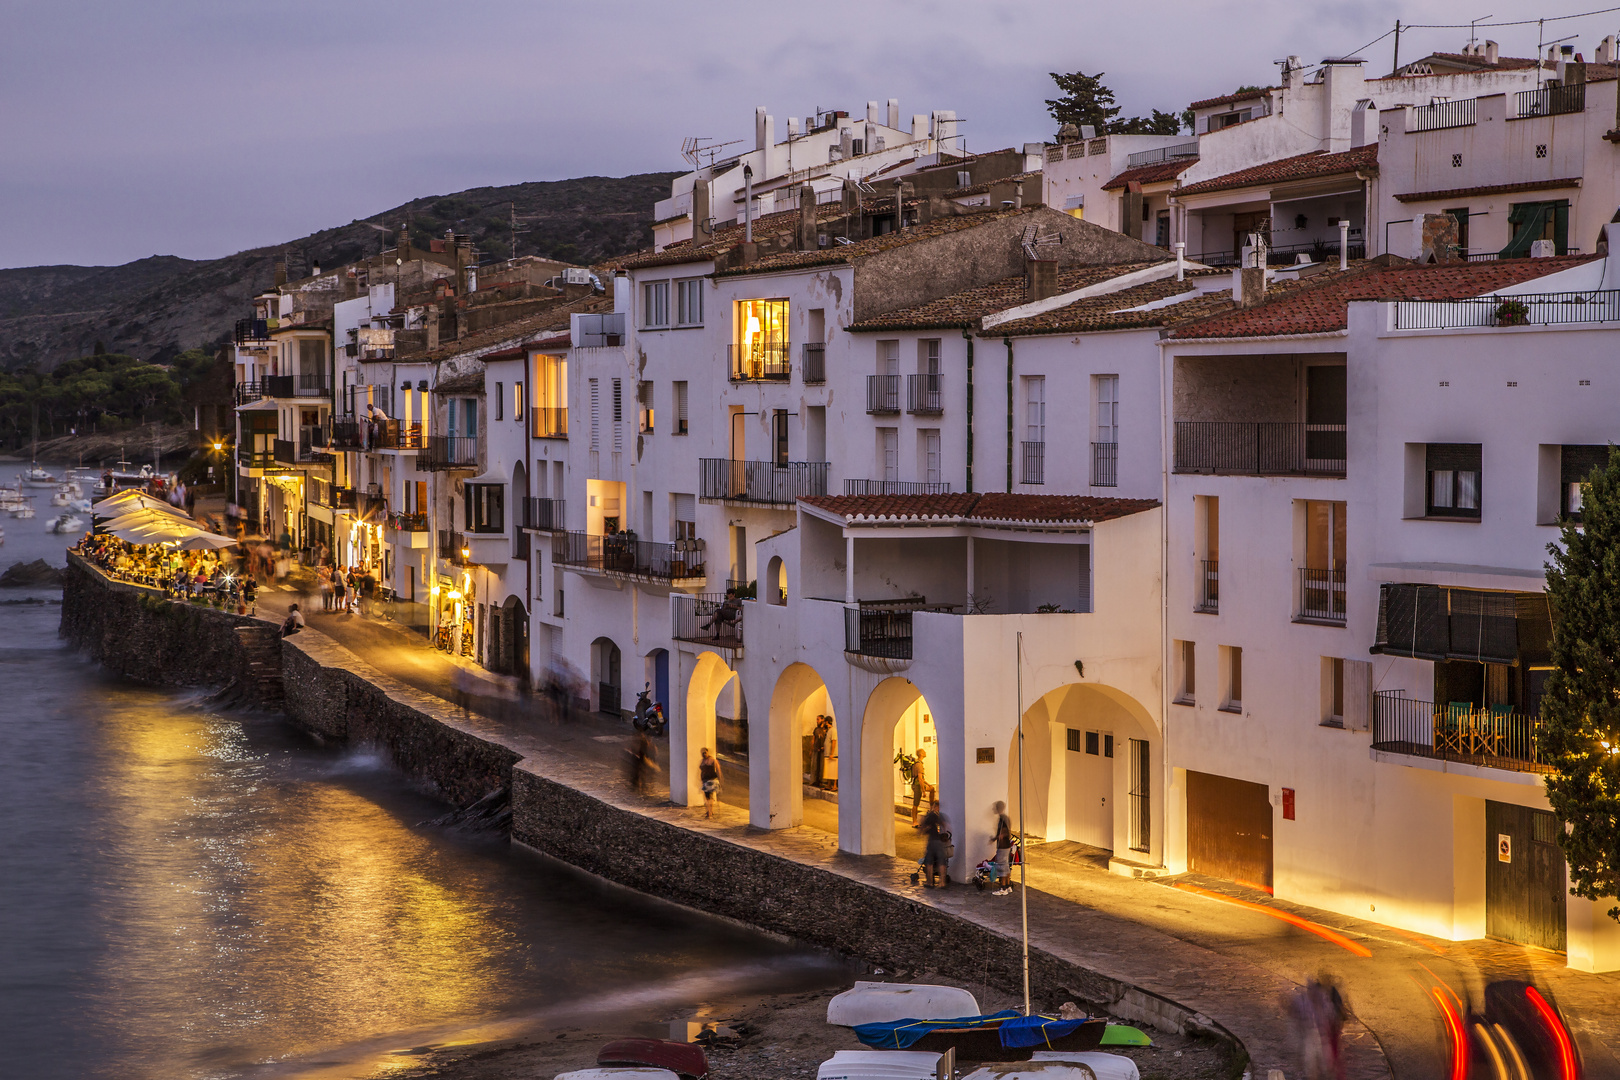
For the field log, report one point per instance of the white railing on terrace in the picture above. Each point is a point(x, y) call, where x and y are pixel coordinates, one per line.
point(1523, 309)
point(1163, 153)
point(1444, 114)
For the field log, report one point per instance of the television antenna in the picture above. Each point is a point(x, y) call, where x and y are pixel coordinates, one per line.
point(701, 150)
point(1033, 241)
point(517, 227)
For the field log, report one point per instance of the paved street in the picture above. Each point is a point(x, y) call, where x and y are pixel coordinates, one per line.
point(1229, 952)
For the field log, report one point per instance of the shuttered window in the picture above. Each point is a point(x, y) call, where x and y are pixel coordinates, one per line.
point(1453, 480)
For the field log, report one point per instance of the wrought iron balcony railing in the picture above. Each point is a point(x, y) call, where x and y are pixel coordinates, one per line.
point(883, 395)
point(1105, 464)
point(444, 452)
point(925, 394)
point(896, 487)
point(1034, 460)
point(770, 361)
point(813, 363)
point(1494, 738)
point(762, 481)
point(542, 515)
point(1209, 587)
point(623, 554)
point(1321, 595)
point(1260, 449)
point(706, 618)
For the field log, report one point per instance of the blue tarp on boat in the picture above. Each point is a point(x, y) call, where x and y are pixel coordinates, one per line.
point(900, 1034)
point(1022, 1031)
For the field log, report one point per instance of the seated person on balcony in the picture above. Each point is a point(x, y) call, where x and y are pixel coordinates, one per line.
point(727, 614)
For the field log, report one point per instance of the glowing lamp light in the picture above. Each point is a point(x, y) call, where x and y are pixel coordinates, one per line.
point(434, 591)
point(466, 553)
point(455, 594)
point(219, 446)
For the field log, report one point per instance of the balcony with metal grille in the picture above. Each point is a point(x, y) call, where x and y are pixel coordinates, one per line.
point(1259, 449)
point(1105, 464)
point(1321, 596)
point(762, 482)
point(762, 361)
point(1444, 114)
point(708, 619)
point(1034, 462)
point(542, 515)
point(1459, 731)
point(925, 394)
point(252, 331)
point(813, 361)
point(1551, 100)
point(883, 395)
point(623, 555)
point(883, 632)
point(441, 453)
point(896, 487)
point(1209, 587)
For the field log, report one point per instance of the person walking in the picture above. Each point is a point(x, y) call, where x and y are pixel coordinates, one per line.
point(709, 776)
point(340, 593)
point(818, 742)
point(1003, 858)
point(643, 763)
point(250, 594)
point(937, 848)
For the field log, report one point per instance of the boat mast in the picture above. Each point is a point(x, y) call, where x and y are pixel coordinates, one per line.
point(1023, 854)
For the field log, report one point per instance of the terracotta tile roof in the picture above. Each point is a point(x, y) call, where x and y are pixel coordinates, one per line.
point(468, 382)
point(877, 511)
point(556, 317)
point(1227, 99)
point(964, 309)
point(1319, 304)
point(725, 237)
point(1109, 312)
point(1156, 173)
point(1299, 167)
point(848, 253)
point(984, 186)
point(1491, 189)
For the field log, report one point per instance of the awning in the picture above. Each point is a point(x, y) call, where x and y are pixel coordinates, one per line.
point(1434, 622)
point(262, 405)
point(205, 541)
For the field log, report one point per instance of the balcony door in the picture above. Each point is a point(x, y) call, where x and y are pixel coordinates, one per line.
point(1326, 405)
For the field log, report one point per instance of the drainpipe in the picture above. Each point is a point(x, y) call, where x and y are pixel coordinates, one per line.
point(967, 335)
point(1007, 341)
point(1166, 772)
point(748, 204)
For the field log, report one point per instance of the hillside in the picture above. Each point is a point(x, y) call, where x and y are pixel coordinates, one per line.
point(156, 307)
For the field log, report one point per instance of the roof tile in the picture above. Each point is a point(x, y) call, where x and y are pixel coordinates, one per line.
point(1299, 167)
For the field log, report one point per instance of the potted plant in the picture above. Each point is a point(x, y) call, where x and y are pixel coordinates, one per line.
point(1512, 313)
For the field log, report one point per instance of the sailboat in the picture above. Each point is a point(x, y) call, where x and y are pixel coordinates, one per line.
point(35, 476)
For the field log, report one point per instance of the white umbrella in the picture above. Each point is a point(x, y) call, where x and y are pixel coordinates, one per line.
point(205, 541)
point(155, 533)
point(144, 517)
point(130, 500)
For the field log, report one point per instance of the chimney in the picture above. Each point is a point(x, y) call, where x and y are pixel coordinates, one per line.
point(919, 127)
point(1252, 276)
point(894, 113)
point(432, 326)
point(793, 127)
point(700, 208)
point(1575, 72)
point(748, 204)
point(1605, 50)
point(1363, 124)
point(807, 218)
point(1181, 263)
point(759, 128)
point(1343, 84)
point(1040, 279)
point(315, 268)
point(1566, 56)
point(899, 205)
point(1492, 52)
point(1344, 243)
point(621, 292)
point(872, 112)
point(281, 273)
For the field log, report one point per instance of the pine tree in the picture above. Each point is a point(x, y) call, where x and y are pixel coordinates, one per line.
point(1085, 101)
point(1580, 710)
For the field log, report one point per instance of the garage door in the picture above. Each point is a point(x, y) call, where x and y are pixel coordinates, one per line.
point(1229, 829)
point(1524, 876)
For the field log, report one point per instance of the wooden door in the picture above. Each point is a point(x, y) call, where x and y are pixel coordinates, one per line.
point(1090, 788)
point(1229, 830)
point(1524, 876)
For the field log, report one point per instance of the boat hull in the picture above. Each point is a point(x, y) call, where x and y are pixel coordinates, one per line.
point(984, 1044)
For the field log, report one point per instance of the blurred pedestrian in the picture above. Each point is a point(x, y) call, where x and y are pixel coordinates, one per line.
point(937, 849)
point(1318, 1010)
point(643, 763)
point(1003, 857)
point(709, 777)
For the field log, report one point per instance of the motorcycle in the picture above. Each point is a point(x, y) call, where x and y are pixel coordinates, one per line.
point(649, 714)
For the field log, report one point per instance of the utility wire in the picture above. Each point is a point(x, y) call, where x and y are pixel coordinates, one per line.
point(1516, 22)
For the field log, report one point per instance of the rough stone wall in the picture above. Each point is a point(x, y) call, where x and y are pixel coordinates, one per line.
point(134, 631)
point(808, 903)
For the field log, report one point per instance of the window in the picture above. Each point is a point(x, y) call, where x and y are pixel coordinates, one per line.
point(1186, 672)
point(517, 402)
point(1141, 818)
point(1161, 231)
point(463, 417)
point(1322, 570)
point(550, 396)
point(1231, 657)
point(596, 413)
point(689, 302)
point(928, 356)
point(1346, 693)
point(1453, 480)
point(1333, 687)
point(1575, 464)
point(1094, 743)
point(779, 435)
point(680, 409)
point(889, 450)
point(311, 364)
point(618, 400)
point(655, 305)
point(683, 512)
point(1034, 471)
point(761, 351)
point(644, 401)
point(500, 400)
point(1538, 221)
point(1106, 389)
point(485, 506)
point(932, 469)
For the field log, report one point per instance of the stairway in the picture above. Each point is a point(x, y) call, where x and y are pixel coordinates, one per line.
point(262, 680)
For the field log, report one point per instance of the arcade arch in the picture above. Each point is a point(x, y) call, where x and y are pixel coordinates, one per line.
point(897, 720)
point(700, 725)
point(798, 703)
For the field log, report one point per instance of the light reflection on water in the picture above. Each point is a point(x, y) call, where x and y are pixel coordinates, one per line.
point(190, 894)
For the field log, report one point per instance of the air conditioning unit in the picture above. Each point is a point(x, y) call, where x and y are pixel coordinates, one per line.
point(576, 275)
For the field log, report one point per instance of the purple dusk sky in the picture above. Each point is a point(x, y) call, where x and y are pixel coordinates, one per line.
point(203, 127)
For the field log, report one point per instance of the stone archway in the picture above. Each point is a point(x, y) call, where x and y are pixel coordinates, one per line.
point(696, 727)
point(799, 698)
point(893, 701)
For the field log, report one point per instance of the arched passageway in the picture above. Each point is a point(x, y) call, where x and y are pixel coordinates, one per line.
point(804, 774)
point(606, 679)
point(707, 718)
point(897, 723)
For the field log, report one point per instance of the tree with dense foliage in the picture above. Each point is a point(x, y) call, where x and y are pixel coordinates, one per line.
point(1580, 710)
point(1086, 100)
point(104, 392)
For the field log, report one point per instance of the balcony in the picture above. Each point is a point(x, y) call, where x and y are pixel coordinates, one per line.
point(345, 499)
point(542, 515)
point(1259, 449)
point(1444, 114)
point(704, 619)
point(1491, 738)
point(1521, 309)
point(813, 358)
point(895, 487)
point(1209, 587)
point(763, 482)
point(761, 362)
point(884, 632)
point(252, 331)
point(440, 453)
point(310, 447)
point(249, 458)
point(925, 394)
point(453, 548)
point(550, 423)
point(1551, 100)
point(883, 395)
point(311, 383)
point(1034, 460)
point(378, 435)
point(408, 522)
point(1321, 596)
point(1165, 153)
point(271, 386)
point(1105, 464)
point(622, 555)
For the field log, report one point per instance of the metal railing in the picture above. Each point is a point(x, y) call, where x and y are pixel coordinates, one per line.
point(344, 498)
point(312, 380)
point(1259, 449)
point(1209, 587)
point(1164, 153)
point(1105, 464)
point(878, 632)
point(764, 360)
point(1444, 114)
point(542, 515)
point(622, 553)
point(249, 458)
point(248, 392)
point(550, 423)
point(451, 546)
point(1461, 731)
point(1551, 100)
point(441, 452)
point(1521, 309)
point(762, 481)
point(408, 522)
point(1321, 595)
point(1034, 457)
point(376, 435)
point(813, 358)
point(925, 394)
point(286, 451)
point(252, 330)
point(896, 487)
point(882, 394)
point(279, 386)
point(1288, 254)
point(705, 618)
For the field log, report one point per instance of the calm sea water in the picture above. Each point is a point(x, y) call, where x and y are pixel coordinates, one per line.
point(187, 893)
